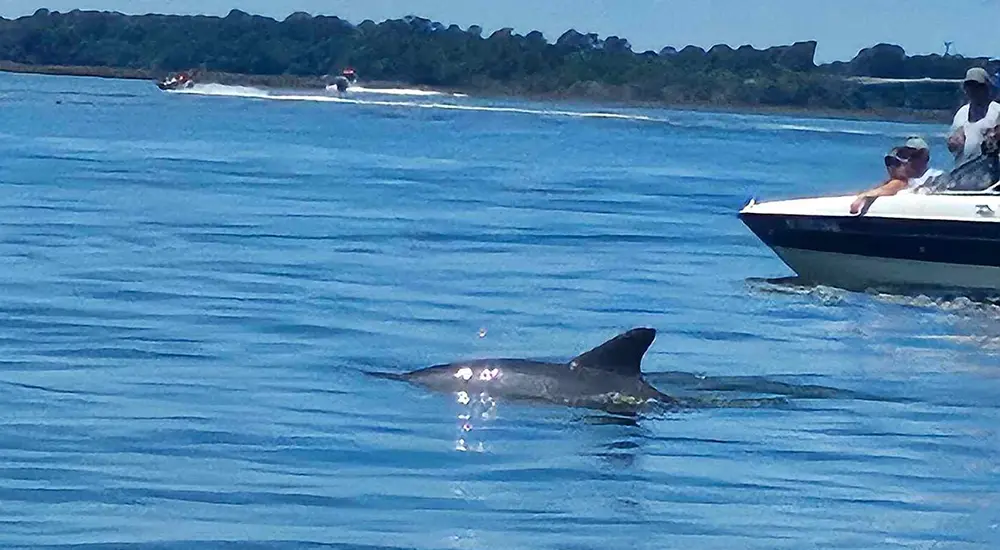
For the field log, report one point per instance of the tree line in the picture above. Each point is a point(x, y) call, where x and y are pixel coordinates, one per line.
point(419, 51)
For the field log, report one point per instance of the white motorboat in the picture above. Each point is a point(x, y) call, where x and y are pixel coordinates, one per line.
point(946, 235)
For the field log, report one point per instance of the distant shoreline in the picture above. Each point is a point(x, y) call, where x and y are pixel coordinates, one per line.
point(317, 83)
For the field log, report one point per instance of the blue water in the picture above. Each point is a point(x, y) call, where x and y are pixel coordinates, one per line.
point(193, 285)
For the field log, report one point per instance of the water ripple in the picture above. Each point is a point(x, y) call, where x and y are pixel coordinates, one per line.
point(186, 317)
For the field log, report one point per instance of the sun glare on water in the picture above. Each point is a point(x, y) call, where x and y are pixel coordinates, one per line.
point(481, 408)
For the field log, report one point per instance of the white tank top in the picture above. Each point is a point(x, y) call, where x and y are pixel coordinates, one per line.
point(974, 131)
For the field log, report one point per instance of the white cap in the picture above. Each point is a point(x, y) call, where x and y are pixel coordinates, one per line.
point(977, 74)
point(916, 142)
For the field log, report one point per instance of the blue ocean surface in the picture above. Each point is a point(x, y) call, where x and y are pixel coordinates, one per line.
point(194, 284)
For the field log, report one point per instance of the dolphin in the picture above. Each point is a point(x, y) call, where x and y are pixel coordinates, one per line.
point(607, 377)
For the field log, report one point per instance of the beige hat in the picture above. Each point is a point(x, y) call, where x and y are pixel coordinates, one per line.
point(916, 142)
point(977, 74)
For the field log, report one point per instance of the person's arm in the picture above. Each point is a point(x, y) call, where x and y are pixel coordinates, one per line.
point(993, 113)
point(887, 189)
point(991, 141)
point(956, 135)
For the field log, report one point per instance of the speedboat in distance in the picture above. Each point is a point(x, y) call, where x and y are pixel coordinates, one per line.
point(945, 234)
point(344, 80)
point(179, 81)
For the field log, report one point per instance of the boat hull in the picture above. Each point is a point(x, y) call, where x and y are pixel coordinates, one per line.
point(855, 272)
point(170, 86)
point(908, 240)
point(340, 84)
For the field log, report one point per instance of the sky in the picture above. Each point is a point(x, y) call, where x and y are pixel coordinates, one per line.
point(841, 27)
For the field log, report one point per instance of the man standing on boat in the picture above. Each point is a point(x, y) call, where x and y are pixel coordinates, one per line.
point(974, 119)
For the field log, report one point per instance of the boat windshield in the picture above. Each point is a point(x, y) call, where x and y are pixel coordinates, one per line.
point(977, 175)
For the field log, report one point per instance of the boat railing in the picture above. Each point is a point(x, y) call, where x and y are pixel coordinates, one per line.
point(990, 191)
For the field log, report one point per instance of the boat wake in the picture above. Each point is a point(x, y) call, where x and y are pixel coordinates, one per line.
point(819, 129)
point(828, 295)
point(221, 90)
point(250, 91)
point(951, 300)
point(411, 98)
point(400, 92)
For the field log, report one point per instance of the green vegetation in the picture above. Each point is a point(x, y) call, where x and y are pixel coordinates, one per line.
point(416, 51)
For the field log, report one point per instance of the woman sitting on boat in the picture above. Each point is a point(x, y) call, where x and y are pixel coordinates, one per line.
point(908, 168)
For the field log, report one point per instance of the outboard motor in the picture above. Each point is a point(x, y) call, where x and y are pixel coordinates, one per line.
point(341, 83)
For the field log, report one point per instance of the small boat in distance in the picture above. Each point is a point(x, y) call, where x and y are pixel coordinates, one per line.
point(945, 235)
point(344, 80)
point(179, 81)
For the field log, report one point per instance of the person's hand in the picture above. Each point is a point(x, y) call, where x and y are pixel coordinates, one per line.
point(858, 203)
point(956, 141)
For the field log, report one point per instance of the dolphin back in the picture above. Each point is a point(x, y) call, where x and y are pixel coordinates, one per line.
point(621, 355)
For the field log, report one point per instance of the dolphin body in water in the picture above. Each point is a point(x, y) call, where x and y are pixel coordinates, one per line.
point(608, 377)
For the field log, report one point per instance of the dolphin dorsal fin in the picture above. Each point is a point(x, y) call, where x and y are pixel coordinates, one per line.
point(621, 355)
